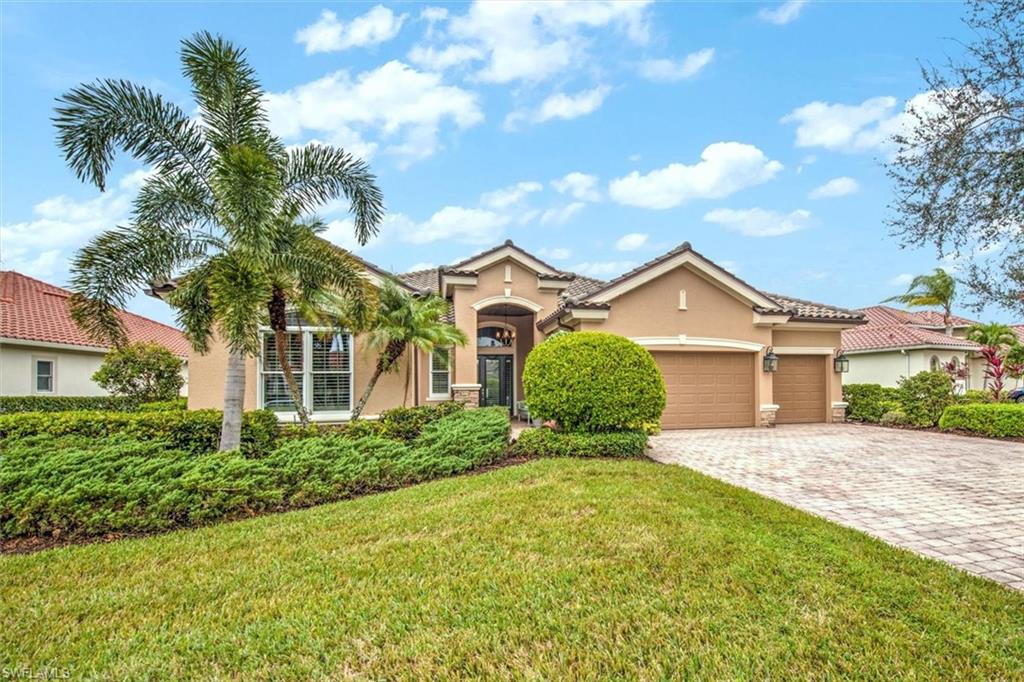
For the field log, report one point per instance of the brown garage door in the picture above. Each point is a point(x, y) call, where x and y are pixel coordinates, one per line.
point(707, 390)
point(799, 389)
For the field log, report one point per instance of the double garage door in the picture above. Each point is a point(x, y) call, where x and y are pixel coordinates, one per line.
point(716, 390)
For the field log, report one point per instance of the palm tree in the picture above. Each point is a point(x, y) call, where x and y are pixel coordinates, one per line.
point(931, 291)
point(223, 210)
point(404, 320)
point(995, 340)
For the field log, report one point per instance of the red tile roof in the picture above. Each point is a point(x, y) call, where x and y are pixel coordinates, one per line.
point(36, 311)
point(1018, 329)
point(890, 328)
point(883, 314)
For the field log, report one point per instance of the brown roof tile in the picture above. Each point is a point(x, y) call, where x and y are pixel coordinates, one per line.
point(893, 336)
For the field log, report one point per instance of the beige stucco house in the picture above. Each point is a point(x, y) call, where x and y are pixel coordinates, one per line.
point(708, 330)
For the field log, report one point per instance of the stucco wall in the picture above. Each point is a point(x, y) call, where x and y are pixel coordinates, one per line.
point(887, 367)
point(73, 374)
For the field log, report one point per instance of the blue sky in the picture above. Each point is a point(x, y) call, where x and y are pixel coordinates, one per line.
point(595, 135)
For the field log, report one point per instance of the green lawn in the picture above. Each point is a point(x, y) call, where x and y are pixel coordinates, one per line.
point(552, 569)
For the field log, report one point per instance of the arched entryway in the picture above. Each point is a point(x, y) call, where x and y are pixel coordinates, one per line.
point(505, 335)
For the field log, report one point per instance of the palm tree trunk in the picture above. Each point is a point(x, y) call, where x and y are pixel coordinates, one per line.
point(358, 410)
point(947, 319)
point(234, 395)
point(386, 361)
point(277, 310)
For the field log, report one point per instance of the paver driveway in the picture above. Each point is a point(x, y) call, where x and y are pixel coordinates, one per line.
point(949, 497)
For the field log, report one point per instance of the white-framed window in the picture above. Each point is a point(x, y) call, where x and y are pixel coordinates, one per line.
point(321, 362)
point(440, 373)
point(44, 372)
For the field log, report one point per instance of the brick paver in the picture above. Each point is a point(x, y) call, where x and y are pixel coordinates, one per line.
point(949, 497)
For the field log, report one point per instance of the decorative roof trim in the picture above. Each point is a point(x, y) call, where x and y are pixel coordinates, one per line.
point(503, 251)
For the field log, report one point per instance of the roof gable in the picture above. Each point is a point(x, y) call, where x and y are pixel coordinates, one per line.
point(499, 253)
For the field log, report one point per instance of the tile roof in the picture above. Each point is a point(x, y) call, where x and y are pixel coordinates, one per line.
point(895, 336)
point(809, 310)
point(422, 280)
point(507, 242)
point(36, 311)
point(1018, 329)
point(883, 314)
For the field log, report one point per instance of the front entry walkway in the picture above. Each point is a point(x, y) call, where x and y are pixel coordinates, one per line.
point(952, 498)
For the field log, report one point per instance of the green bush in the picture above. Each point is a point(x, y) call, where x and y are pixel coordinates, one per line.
point(179, 403)
point(895, 417)
point(65, 403)
point(996, 420)
point(80, 485)
point(924, 396)
point(406, 423)
point(195, 431)
point(975, 396)
point(592, 381)
point(868, 402)
point(551, 443)
point(143, 371)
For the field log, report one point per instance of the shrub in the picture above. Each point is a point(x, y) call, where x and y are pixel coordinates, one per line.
point(894, 418)
point(868, 402)
point(975, 396)
point(406, 423)
point(924, 396)
point(141, 371)
point(593, 381)
point(179, 403)
point(996, 420)
point(65, 403)
point(83, 486)
point(195, 431)
point(551, 443)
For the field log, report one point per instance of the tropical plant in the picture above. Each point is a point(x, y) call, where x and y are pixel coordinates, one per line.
point(995, 340)
point(402, 320)
point(143, 371)
point(936, 290)
point(222, 210)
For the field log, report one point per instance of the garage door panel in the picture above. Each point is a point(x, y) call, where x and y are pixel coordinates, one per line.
point(799, 389)
point(707, 390)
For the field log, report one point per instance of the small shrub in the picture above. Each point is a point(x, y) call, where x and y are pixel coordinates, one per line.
point(894, 418)
point(179, 403)
point(593, 381)
point(551, 443)
point(406, 423)
point(924, 396)
point(65, 403)
point(975, 396)
point(996, 420)
point(868, 402)
point(142, 371)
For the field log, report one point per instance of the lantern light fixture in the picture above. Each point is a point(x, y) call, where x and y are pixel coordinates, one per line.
point(771, 361)
point(841, 363)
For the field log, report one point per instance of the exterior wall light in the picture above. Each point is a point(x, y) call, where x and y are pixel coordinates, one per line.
point(841, 363)
point(771, 361)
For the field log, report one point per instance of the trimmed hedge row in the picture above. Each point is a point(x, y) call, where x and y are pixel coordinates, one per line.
point(996, 420)
point(65, 403)
point(868, 402)
point(194, 431)
point(400, 423)
point(78, 485)
point(551, 443)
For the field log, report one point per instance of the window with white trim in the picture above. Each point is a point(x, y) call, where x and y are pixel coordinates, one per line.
point(321, 362)
point(44, 370)
point(440, 373)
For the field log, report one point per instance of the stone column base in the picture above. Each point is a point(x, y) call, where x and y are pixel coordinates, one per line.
point(839, 412)
point(768, 415)
point(468, 394)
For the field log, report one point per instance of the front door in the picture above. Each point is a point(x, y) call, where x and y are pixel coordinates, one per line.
point(494, 374)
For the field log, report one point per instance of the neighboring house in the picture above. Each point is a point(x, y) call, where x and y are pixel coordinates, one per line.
point(708, 330)
point(898, 343)
point(43, 352)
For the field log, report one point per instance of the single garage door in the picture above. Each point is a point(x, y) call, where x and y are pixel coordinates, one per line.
point(707, 390)
point(799, 389)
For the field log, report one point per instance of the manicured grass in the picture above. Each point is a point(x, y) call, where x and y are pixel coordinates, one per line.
point(550, 570)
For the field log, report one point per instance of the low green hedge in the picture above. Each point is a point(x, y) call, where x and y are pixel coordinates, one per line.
point(195, 431)
point(180, 403)
point(551, 443)
point(83, 484)
point(400, 423)
point(996, 420)
point(868, 402)
point(62, 403)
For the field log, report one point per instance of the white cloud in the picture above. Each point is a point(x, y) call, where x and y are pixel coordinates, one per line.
point(784, 13)
point(759, 222)
point(579, 186)
point(533, 41)
point(560, 105)
point(836, 187)
point(901, 280)
point(434, 14)
point(135, 179)
point(421, 266)
point(560, 215)
point(329, 34)
point(603, 268)
point(434, 59)
point(669, 70)
point(404, 106)
point(509, 196)
point(631, 241)
point(724, 168)
point(555, 253)
point(457, 223)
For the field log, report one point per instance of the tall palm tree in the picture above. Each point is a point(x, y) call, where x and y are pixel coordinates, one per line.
point(936, 290)
point(403, 320)
point(223, 211)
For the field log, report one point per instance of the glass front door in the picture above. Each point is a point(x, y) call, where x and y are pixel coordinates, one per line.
point(494, 373)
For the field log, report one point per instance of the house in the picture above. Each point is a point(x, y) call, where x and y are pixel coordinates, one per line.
point(897, 343)
point(708, 330)
point(42, 350)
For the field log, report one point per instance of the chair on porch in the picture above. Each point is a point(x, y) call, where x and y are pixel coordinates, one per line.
point(522, 411)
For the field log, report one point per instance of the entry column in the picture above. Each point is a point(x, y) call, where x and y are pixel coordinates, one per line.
point(465, 386)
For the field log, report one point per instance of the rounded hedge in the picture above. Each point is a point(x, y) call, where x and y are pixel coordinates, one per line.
point(592, 381)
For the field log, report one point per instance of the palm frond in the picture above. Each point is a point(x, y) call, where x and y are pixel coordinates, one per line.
point(246, 188)
point(174, 200)
point(238, 294)
point(191, 301)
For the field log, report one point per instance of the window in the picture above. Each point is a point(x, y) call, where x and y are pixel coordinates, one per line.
point(321, 363)
point(487, 337)
point(440, 362)
point(44, 376)
point(934, 364)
